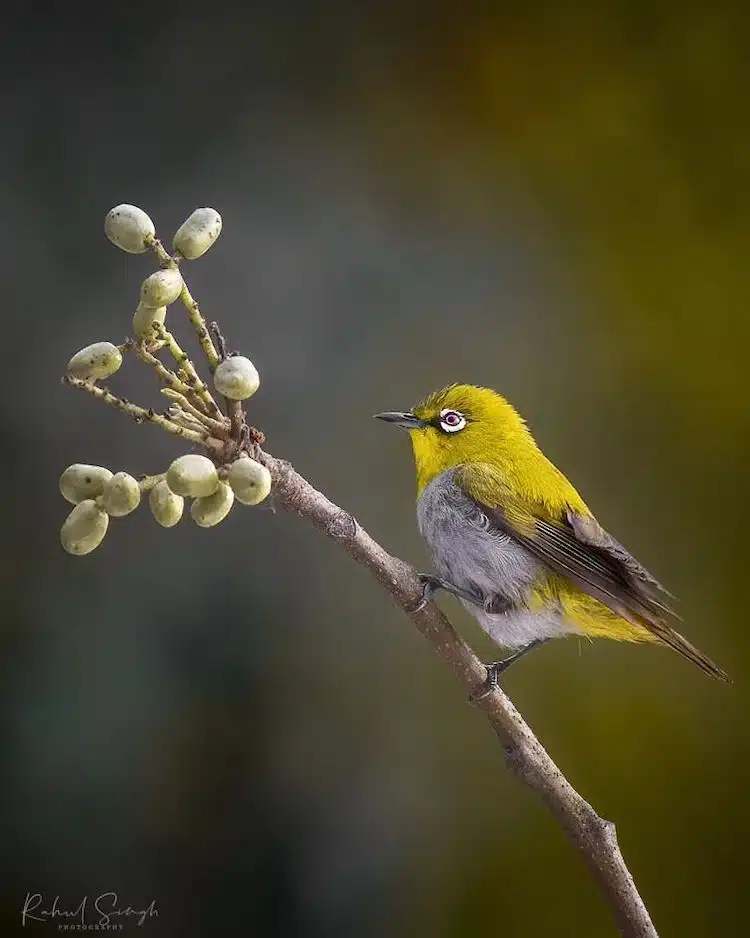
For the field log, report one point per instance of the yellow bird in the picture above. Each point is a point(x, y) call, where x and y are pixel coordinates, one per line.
point(515, 542)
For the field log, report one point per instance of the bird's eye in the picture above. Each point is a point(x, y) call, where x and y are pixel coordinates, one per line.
point(451, 421)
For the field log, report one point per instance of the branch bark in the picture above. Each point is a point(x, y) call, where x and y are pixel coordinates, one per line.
point(594, 837)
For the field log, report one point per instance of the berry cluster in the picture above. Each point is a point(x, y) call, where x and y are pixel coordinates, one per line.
point(228, 471)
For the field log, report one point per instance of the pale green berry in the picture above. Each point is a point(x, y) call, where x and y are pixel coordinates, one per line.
point(236, 378)
point(212, 509)
point(121, 495)
point(165, 506)
point(193, 475)
point(197, 233)
point(162, 287)
point(144, 318)
point(84, 528)
point(250, 481)
point(99, 360)
point(129, 227)
point(80, 482)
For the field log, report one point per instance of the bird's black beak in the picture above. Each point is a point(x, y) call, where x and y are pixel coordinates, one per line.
point(407, 421)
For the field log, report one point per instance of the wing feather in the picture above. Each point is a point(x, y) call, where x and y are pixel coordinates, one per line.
point(575, 546)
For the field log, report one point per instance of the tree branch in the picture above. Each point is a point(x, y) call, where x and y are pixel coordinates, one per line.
point(525, 756)
point(130, 228)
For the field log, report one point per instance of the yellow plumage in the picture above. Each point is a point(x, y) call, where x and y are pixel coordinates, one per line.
point(510, 468)
point(496, 436)
point(473, 440)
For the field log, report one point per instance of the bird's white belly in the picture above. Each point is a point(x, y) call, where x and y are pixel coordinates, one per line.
point(473, 556)
point(517, 628)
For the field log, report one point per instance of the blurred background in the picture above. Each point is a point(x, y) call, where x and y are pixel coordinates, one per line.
point(237, 724)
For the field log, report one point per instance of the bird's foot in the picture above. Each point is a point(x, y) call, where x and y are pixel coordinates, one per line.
point(492, 681)
point(496, 668)
point(431, 584)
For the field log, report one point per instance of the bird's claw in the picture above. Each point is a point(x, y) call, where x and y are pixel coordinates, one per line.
point(496, 668)
point(430, 585)
point(491, 682)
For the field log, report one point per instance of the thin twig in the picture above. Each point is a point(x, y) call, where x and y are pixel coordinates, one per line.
point(525, 756)
point(141, 414)
point(236, 416)
point(219, 427)
point(166, 374)
point(233, 408)
point(198, 388)
point(177, 415)
point(193, 310)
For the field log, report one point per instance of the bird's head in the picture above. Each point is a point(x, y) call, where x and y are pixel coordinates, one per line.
point(461, 424)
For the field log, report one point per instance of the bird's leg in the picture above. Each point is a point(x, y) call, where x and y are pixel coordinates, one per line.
point(496, 668)
point(431, 584)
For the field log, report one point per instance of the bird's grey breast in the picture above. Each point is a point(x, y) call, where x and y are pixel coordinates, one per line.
point(467, 549)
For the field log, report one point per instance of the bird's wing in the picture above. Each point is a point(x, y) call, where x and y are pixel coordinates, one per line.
point(574, 545)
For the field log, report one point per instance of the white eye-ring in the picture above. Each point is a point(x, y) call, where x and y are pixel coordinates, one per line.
point(452, 420)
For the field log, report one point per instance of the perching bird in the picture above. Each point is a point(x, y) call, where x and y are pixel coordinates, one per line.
point(514, 541)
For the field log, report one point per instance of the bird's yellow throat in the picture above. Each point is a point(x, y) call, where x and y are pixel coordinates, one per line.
point(495, 435)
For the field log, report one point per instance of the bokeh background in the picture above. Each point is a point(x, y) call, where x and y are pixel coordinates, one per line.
point(547, 198)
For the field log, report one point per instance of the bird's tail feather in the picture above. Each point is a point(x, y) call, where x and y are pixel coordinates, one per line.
point(680, 644)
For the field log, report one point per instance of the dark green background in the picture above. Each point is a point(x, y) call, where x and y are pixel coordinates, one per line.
point(236, 723)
